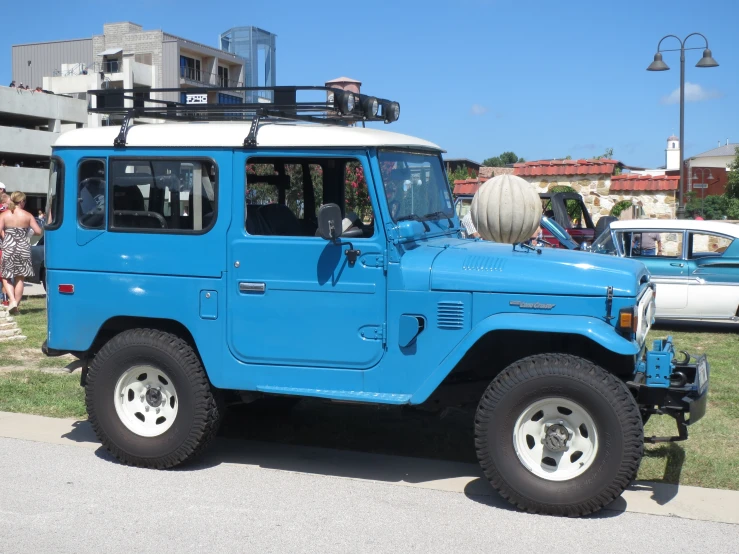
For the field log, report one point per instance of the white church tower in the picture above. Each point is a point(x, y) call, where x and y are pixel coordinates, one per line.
point(672, 153)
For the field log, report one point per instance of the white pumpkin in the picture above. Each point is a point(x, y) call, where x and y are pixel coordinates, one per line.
point(506, 209)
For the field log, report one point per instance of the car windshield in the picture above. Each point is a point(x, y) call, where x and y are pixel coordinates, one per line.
point(416, 186)
point(604, 244)
point(559, 232)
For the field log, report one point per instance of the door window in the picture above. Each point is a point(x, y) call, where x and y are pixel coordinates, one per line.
point(705, 245)
point(54, 196)
point(283, 195)
point(648, 243)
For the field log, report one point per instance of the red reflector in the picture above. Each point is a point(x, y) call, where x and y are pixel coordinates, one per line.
point(66, 289)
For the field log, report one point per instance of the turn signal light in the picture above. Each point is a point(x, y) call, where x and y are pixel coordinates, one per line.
point(66, 289)
point(627, 320)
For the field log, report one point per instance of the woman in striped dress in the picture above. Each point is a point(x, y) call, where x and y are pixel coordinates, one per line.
point(16, 263)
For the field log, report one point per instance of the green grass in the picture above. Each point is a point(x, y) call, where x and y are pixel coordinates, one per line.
point(34, 392)
point(32, 322)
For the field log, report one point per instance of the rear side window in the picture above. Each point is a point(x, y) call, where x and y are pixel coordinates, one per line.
point(91, 194)
point(156, 195)
point(54, 196)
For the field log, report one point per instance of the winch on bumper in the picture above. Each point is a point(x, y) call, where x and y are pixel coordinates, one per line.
point(663, 385)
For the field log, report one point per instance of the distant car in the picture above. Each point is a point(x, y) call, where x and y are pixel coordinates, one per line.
point(695, 264)
point(571, 213)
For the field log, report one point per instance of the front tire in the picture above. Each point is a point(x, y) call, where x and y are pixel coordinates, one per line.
point(149, 400)
point(557, 434)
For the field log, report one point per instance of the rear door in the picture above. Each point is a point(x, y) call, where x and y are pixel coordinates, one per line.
point(713, 291)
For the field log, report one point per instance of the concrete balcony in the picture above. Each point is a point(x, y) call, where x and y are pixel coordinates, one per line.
point(26, 142)
point(42, 106)
point(25, 179)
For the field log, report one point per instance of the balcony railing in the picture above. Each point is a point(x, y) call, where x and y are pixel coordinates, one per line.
point(204, 78)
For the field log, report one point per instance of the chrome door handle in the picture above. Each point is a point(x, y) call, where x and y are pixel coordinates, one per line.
point(252, 287)
point(677, 264)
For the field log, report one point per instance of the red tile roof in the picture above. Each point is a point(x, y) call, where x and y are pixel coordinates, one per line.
point(565, 167)
point(633, 181)
point(467, 187)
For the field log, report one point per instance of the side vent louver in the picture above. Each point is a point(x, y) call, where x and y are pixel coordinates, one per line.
point(450, 315)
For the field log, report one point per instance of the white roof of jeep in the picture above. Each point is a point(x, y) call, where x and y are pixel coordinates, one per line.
point(720, 227)
point(232, 134)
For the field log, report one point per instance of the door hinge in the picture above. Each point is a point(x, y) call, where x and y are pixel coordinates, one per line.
point(373, 260)
point(375, 332)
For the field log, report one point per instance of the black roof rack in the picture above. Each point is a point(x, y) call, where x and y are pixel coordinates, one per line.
point(338, 107)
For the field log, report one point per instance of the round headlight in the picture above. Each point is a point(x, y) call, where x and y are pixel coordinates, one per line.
point(345, 101)
point(371, 106)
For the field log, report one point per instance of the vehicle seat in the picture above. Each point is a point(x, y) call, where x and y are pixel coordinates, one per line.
point(281, 220)
point(255, 223)
point(129, 198)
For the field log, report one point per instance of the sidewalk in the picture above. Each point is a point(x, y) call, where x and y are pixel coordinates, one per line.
point(642, 497)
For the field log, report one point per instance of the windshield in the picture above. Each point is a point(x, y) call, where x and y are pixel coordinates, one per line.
point(604, 244)
point(558, 232)
point(416, 186)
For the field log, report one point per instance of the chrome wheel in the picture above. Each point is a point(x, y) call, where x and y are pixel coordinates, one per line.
point(146, 401)
point(555, 439)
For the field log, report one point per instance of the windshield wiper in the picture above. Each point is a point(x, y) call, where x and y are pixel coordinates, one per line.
point(439, 215)
point(414, 217)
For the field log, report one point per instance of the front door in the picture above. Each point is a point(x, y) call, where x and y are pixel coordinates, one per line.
point(295, 299)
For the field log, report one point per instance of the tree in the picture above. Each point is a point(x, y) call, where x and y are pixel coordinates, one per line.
point(460, 174)
point(732, 177)
point(607, 155)
point(504, 159)
point(713, 206)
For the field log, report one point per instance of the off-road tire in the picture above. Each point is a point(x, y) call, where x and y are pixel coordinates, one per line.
point(608, 401)
point(199, 411)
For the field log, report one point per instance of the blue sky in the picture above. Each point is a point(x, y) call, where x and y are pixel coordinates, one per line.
point(541, 78)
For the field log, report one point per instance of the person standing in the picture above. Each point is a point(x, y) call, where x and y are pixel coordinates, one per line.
point(16, 262)
point(651, 244)
point(469, 226)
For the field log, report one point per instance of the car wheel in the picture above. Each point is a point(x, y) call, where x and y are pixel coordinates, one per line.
point(149, 400)
point(557, 434)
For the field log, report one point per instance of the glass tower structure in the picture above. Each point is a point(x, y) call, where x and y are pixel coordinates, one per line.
point(257, 47)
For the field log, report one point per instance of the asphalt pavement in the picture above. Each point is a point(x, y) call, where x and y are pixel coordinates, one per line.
point(66, 494)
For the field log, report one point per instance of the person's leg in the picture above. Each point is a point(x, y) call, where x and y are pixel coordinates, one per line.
point(8, 288)
point(18, 289)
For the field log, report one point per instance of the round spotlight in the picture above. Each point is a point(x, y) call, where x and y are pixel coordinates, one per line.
point(346, 102)
point(370, 106)
point(391, 112)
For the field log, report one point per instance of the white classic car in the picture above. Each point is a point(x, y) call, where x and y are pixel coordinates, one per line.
point(694, 263)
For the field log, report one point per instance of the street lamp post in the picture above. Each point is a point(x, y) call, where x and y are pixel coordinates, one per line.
point(702, 181)
point(658, 65)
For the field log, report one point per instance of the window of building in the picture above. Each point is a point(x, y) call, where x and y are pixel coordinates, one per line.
point(91, 194)
point(283, 195)
point(223, 77)
point(189, 68)
point(54, 196)
point(705, 245)
point(172, 195)
point(228, 99)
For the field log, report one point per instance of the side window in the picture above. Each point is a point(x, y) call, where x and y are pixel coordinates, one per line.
point(654, 243)
point(704, 245)
point(168, 195)
point(91, 194)
point(54, 196)
point(283, 195)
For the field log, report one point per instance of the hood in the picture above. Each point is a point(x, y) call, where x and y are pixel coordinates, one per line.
point(482, 266)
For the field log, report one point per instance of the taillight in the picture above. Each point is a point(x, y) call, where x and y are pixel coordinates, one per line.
point(66, 289)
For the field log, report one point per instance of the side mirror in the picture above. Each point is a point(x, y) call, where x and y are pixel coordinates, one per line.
point(329, 222)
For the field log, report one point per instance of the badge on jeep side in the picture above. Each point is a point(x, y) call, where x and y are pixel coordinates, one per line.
point(531, 305)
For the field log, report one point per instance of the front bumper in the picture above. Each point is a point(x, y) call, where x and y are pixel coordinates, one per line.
point(666, 386)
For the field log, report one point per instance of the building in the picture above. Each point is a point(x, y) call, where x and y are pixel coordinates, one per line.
point(600, 182)
point(30, 122)
point(258, 49)
point(127, 56)
point(710, 169)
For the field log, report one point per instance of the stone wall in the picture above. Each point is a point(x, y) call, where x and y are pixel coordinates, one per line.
point(596, 193)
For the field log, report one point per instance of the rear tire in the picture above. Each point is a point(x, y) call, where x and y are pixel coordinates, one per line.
point(556, 434)
point(149, 400)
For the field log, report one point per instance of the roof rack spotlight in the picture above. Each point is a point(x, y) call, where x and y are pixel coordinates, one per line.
point(390, 111)
point(345, 102)
point(370, 106)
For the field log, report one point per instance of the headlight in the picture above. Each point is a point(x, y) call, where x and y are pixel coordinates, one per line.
point(346, 102)
point(390, 111)
point(370, 107)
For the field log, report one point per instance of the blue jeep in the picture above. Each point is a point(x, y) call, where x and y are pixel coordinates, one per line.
point(196, 263)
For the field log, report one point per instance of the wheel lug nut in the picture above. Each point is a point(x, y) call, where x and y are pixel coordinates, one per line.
point(146, 408)
point(148, 387)
point(157, 410)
